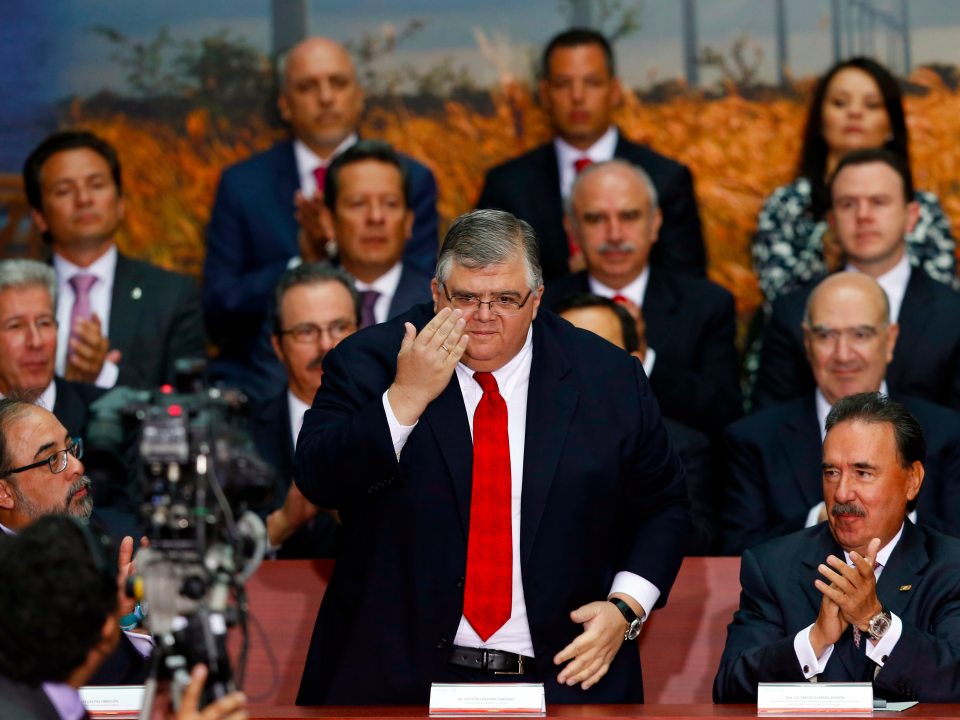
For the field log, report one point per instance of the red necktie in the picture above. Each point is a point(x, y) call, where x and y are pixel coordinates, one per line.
point(619, 299)
point(320, 174)
point(580, 164)
point(488, 597)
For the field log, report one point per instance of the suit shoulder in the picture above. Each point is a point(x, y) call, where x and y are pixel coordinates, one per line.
point(930, 415)
point(765, 422)
point(87, 393)
point(518, 164)
point(413, 271)
point(699, 287)
point(944, 550)
point(588, 350)
point(416, 167)
point(791, 304)
point(563, 287)
point(253, 169)
point(159, 275)
point(650, 159)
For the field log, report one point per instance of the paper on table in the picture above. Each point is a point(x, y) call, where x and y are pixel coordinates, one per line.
point(509, 698)
point(898, 706)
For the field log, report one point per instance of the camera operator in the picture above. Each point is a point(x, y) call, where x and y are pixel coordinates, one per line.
point(58, 599)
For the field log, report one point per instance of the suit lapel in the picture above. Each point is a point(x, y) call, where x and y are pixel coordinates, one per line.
point(802, 444)
point(903, 568)
point(126, 305)
point(550, 404)
point(275, 416)
point(447, 417)
point(914, 315)
point(286, 183)
point(660, 301)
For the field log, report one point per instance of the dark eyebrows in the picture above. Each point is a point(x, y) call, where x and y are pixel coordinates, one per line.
point(826, 466)
point(863, 465)
point(43, 448)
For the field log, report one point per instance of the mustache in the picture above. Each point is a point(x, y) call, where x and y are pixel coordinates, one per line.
point(848, 509)
point(615, 247)
point(316, 362)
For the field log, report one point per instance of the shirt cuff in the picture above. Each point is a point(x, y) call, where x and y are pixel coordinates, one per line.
point(108, 375)
point(641, 590)
point(813, 517)
point(143, 644)
point(398, 433)
point(649, 358)
point(879, 652)
point(810, 664)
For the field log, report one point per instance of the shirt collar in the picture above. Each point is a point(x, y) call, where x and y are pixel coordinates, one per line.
point(510, 374)
point(823, 407)
point(386, 284)
point(308, 160)
point(47, 399)
point(894, 283)
point(65, 700)
point(297, 406)
point(103, 268)
point(634, 291)
point(7, 531)
point(883, 555)
point(601, 151)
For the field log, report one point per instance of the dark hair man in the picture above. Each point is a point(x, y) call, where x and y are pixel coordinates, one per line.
point(866, 596)
point(268, 207)
point(774, 487)
point(873, 208)
point(580, 91)
point(58, 599)
point(686, 325)
point(316, 306)
point(432, 423)
point(120, 321)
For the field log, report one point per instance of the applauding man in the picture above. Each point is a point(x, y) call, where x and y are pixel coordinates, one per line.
point(509, 497)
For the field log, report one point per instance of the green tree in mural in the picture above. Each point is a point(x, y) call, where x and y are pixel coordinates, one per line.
point(616, 19)
point(148, 73)
point(228, 74)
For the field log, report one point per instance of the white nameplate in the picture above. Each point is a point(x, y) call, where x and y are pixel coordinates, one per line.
point(818, 697)
point(114, 701)
point(517, 698)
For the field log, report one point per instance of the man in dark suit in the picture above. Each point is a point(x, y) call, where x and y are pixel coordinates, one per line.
point(579, 89)
point(871, 235)
point(773, 487)
point(866, 596)
point(687, 325)
point(316, 306)
point(424, 454)
point(613, 322)
point(267, 211)
point(121, 321)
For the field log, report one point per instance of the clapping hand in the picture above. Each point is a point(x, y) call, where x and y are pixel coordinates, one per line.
point(89, 349)
point(853, 589)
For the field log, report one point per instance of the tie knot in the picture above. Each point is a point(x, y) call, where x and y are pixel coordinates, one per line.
point(619, 299)
point(580, 164)
point(486, 381)
point(81, 284)
point(368, 298)
point(320, 174)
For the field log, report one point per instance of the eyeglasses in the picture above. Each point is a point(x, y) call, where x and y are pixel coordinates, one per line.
point(310, 333)
point(57, 461)
point(501, 306)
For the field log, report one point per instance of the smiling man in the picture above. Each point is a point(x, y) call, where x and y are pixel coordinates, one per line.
point(512, 509)
point(865, 597)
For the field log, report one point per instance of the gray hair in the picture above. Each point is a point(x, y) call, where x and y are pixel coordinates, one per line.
point(19, 273)
point(311, 274)
point(638, 171)
point(486, 238)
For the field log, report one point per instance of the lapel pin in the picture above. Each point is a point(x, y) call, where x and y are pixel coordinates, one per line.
point(136, 293)
point(904, 588)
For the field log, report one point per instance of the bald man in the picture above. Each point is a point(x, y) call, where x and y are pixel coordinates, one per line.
point(775, 483)
point(686, 325)
point(267, 213)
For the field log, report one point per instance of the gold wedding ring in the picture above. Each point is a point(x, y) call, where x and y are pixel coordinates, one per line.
point(444, 346)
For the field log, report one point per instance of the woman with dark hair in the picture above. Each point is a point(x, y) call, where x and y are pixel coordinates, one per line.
point(857, 104)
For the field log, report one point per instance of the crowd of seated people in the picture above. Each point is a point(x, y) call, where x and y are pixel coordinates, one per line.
point(327, 234)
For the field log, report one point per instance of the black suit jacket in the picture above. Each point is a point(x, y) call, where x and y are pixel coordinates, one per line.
point(779, 599)
point(694, 450)
point(155, 319)
point(23, 702)
point(72, 404)
point(691, 323)
point(926, 360)
point(602, 492)
point(774, 461)
point(273, 436)
point(413, 289)
point(529, 187)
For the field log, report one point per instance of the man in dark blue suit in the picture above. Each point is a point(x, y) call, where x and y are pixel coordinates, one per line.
point(866, 596)
point(580, 91)
point(267, 212)
point(773, 455)
point(498, 478)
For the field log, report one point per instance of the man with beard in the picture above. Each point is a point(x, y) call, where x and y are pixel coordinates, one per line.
point(316, 306)
point(41, 474)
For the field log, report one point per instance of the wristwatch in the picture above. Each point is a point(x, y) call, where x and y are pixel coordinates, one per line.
point(634, 623)
point(879, 624)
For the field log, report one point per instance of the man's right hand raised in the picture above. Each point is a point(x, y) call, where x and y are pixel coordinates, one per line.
point(425, 364)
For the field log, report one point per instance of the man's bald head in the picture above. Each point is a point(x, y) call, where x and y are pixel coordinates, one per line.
point(320, 97)
point(848, 335)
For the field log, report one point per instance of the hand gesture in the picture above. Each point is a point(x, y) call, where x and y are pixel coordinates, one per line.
point(229, 707)
point(853, 589)
point(637, 314)
point(285, 521)
point(828, 628)
point(313, 236)
point(127, 566)
point(88, 351)
point(425, 364)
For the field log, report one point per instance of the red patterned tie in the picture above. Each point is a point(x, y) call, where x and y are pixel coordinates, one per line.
point(488, 596)
point(320, 174)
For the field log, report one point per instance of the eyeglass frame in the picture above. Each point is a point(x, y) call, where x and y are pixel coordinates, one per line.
point(321, 328)
point(77, 443)
point(490, 304)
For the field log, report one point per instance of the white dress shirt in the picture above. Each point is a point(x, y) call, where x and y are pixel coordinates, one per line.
point(635, 292)
point(308, 161)
point(894, 283)
point(101, 298)
point(386, 285)
point(813, 665)
point(601, 151)
point(297, 408)
point(47, 399)
point(65, 700)
point(513, 381)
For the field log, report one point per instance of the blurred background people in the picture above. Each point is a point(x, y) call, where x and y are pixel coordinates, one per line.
point(120, 321)
point(579, 90)
point(267, 211)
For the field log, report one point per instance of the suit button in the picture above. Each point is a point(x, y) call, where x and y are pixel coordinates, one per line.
point(461, 582)
point(441, 643)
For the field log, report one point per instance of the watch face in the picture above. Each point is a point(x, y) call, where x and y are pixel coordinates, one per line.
point(633, 632)
point(879, 626)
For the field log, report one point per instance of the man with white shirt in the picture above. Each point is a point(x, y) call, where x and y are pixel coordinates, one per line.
point(872, 209)
point(773, 455)
point(686, 325)
point(120, 321)
point(500, 475)
point(267, 212)
point(866, 596)
point(316, 307)
point(580, 91)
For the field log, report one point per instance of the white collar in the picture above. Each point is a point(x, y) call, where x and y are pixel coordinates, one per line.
point(103, 268)
point(883, 555)
point(823, 406)
point(308, 160)
point(47, 399)
point(4, 529)
point(386, 284)
point(510, 374)
point(894, 283)
point(635, 291)
point(601, 151)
